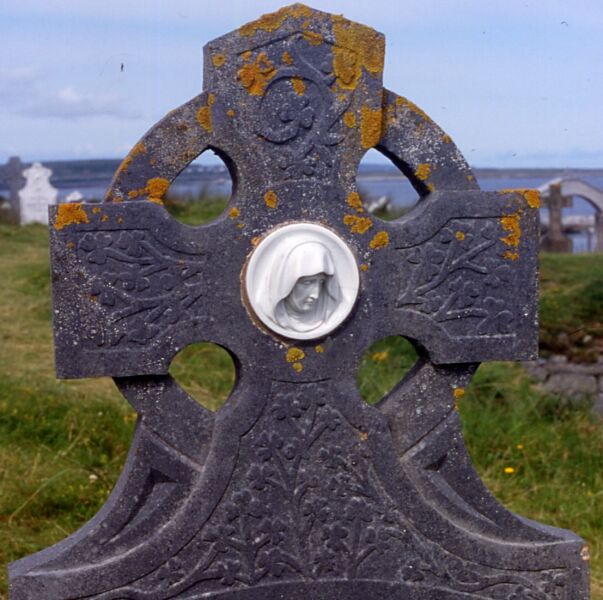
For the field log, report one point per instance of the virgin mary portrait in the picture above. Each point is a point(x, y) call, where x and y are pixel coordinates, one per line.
point(303, 287)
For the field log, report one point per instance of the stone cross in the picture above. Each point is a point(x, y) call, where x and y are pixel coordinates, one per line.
point(37, 195)
point(296, 488)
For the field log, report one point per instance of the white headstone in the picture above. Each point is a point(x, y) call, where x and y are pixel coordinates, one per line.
point(37, 194)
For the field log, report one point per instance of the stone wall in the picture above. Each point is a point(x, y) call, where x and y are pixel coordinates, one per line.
point(577, 382)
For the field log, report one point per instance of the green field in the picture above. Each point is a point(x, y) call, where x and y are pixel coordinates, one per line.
point(63, 443)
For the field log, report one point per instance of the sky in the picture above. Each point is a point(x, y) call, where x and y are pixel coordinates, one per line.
point(516, 83)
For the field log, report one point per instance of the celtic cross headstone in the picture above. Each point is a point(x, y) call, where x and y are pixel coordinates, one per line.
point(296, 488)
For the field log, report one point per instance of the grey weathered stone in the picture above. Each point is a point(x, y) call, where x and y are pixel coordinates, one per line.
point(297, 488)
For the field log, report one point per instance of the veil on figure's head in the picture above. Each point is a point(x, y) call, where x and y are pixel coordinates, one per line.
point(306, 259)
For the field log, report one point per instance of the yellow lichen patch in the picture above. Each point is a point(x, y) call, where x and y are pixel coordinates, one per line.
point(104, 218)
point(319, 349)
point(363, 436)
point(458, 392)
point(313, 37)
point(357, 224)
point(423, 171)
point(370, 126)
point(298, 367)
point(532, 197)
point(96, 210)
point(234, 212)
point(70, 213)
point(459, 235)
point(470, 178)
point(240, 225)
point(125, 164)
point(218, 60)
point(356, 46)
point(272, 21)
point(431, 187)
point(286, 58)
point(70, 245)
point(510, 255)
point(406, 103)
point(364, 267)
point(156, 201)
point(380, 240)
point(511, 223)
point(295, 355)
point(255, 75)
point(156, 188)
point(255, 240)
point(204, 114)
point(299, 87)
point(270, 199)
point(349, 119)
point(230, 113)
point(355, 202)
point(446, 139)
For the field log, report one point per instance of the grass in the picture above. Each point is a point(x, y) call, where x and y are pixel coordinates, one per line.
point(63, 443)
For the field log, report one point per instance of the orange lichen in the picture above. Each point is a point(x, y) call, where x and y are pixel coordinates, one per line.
point(370, 126)
point(356, 46)
point(364, 267)
point(286, 58)
point(234, 212)
point(104, 218)
point(510, 255)
point(125, 164)
point(355, 202)
point(70, 245)
point(299, 87)
point(230, 113)
point(349, 119)
point(423, 171)
point(460, 236)
point(218, 60)
point(357, 224)
point(431, 187)
point(446, 139)
point(156, 201)
point(380, 240)
point(406, 103)
point(96, 210)
point(272, 21)
point(255, 75)
point(255, 240)
point(511, 223)
point(313, 37)
point(204, 114)
point(70, 213)
point(458, 392)
point(295, 354)
point(532, 197)
point(156, 188)
point(270, 199)
point(318, 348)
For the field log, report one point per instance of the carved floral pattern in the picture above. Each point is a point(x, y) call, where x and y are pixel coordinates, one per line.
point(301, 115)
point(143, 289)
point(460, 276)
point(308, 505)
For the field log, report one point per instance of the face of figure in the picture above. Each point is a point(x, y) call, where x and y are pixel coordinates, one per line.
point(306, 292)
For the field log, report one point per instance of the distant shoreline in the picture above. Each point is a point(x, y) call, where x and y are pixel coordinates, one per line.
point(100, 171)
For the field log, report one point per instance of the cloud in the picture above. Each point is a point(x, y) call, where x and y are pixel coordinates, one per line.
point(69, 103)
